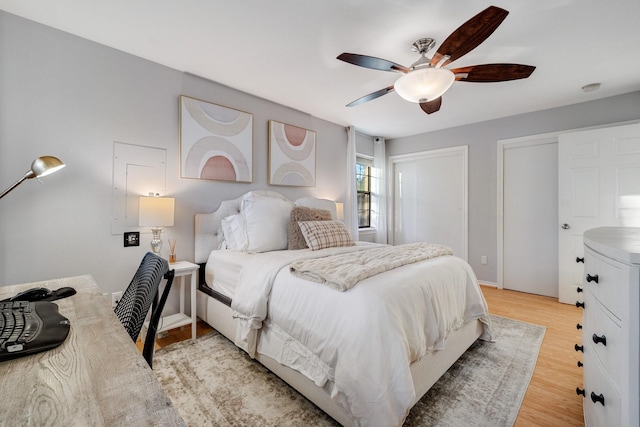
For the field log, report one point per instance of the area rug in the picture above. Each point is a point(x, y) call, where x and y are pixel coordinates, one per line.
point(213, 383)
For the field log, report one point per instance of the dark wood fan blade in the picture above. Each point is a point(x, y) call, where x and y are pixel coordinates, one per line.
point(372, 62)
point(371, 96)
point(470, 34)
point(488, 73)
point(431, 107)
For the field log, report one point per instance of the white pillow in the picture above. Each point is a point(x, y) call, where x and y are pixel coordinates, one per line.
point(264, 193)
point(235, 232)
point(325, 234)
point(266, 220)
point(326, 204)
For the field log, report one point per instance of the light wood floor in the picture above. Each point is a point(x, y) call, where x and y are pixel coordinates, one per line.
point(551, 399)
point(178, 334)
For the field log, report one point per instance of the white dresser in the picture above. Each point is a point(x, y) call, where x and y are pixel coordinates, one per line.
point(610, 327)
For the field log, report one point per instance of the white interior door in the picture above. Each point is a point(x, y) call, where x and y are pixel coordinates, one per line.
point(530, 209)
point(429, 201)
point(598, 185)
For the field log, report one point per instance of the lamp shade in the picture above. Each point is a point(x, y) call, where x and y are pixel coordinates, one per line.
point(340, 210)
point(156, 211)
point(41, 166)
point(45, 165)
point(424, 84)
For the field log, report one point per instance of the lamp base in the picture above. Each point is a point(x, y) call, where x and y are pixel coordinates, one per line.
point(156, 242)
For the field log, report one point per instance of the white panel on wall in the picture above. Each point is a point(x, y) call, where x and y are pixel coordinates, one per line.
point(137, 171)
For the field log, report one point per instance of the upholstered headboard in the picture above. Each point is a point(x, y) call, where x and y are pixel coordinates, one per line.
point(208, 235)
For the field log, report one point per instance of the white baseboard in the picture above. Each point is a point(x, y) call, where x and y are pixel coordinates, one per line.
point(485, 283)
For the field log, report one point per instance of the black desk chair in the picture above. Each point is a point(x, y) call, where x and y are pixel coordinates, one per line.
point(140, 295)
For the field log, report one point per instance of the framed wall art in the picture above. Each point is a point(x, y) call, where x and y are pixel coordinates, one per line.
point(292, 155)
point(216, 142)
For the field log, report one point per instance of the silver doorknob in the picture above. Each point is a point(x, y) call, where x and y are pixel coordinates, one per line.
point(565, 226)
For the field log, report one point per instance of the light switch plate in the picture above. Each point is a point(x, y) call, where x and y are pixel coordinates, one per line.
point(131, 238)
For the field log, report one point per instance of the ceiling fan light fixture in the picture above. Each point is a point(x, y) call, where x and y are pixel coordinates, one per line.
point(424, 84)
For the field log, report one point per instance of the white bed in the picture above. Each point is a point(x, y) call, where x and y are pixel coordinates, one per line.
point(360, 368)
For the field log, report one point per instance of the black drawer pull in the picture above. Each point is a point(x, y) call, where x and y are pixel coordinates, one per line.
point(580, 391)
point(580, 260)
point(579, 348)
point(591, 278)
point(580, 364)
point(597, 398)
point(579, 290)
point(578, 326)
point(596, 339)
point(579, 304)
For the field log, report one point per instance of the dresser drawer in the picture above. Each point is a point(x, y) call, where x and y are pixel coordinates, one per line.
point(612, 309)
point(597, 382)
point(597, 320)
point(612, 281)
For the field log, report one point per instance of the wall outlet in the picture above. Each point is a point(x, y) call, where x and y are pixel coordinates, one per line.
point(115, 298)
point(483, 259)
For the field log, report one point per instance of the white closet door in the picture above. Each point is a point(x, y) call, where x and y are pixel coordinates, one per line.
point(429, 201)
point(530, 205)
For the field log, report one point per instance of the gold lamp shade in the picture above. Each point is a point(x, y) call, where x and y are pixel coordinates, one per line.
point(45, 165)
point(41, 166)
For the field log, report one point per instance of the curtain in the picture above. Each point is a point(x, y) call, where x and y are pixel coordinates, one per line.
point(379, 190)
point(351, 204)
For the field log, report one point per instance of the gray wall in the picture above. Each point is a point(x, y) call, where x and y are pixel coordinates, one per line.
point(482, 141)
point(65, 96)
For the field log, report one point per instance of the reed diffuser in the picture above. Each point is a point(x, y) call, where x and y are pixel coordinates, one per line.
point(172, 248)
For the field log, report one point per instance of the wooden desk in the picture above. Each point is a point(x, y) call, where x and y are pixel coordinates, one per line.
point(97, 377)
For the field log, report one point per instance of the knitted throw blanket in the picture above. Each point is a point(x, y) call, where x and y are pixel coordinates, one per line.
point(344, 271)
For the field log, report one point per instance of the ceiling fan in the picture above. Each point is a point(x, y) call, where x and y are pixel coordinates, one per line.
point(427, 80)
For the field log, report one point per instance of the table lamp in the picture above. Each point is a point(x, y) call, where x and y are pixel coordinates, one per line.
point(156, 212)
point(340, 210)
point(41, 166)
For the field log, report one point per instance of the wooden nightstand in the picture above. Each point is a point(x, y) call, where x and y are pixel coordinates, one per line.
point(182, 268)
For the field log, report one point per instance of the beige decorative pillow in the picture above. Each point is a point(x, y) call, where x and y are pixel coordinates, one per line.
point(325, 234)
point(301, 213)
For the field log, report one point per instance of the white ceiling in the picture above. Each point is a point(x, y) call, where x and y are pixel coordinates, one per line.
point(285, 50)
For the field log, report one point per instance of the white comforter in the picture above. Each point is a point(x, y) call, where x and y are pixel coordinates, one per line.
point(360, 342)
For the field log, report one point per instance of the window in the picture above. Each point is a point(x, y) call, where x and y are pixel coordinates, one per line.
point(363, 185)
